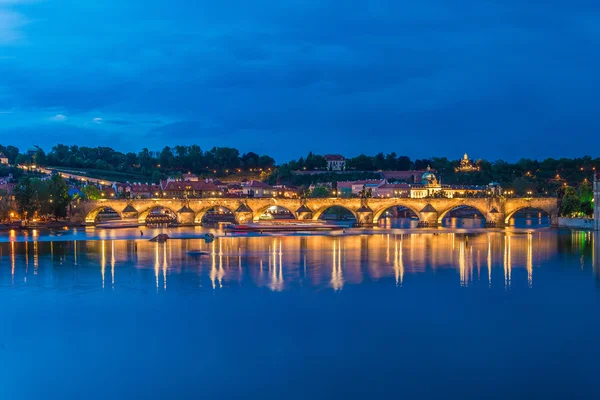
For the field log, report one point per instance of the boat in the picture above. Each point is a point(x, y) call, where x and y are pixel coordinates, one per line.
point(281, 226)
point(125, 223)
point(197, 253)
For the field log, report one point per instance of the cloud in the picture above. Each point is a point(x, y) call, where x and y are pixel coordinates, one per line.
point(97, 121)
point(11, 22)
point(59, 118)
point(310, 72)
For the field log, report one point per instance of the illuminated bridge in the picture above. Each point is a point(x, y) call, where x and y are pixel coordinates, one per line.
point(497, 211)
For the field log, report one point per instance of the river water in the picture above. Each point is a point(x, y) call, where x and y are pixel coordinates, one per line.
point(382, 313)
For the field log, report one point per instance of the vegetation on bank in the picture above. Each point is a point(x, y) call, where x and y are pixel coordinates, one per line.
point(577, 202)
point(48, 198)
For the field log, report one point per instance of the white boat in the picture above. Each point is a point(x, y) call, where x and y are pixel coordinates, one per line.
point(124, 223)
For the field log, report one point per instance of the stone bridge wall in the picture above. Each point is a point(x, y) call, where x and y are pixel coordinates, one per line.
point(366, 211)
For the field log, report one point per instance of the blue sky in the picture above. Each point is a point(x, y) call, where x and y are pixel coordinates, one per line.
point(498, 79)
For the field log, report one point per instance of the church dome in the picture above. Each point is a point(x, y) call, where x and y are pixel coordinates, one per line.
point(428, 177)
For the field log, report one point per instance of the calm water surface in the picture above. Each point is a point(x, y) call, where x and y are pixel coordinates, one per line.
point(394, 313)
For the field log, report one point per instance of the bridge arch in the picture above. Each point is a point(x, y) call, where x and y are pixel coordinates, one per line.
point(203, 212)
point(318, 213)
point(551, 213)
point(92, 215)
point(477, 211)
point(475, 207)
point(379, 212)
point(262, 210)
point(144, 214)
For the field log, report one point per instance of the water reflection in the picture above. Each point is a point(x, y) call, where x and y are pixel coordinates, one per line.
point(279, 263)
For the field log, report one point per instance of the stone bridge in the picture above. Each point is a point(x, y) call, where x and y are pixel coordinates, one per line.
point(366, 211)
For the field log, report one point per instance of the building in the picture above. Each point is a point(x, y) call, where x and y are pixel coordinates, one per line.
point(385, 189)
point(335, 162)
point(597, 201)
point(190, 177)
point(355, 187)
point(286, 191)
point(257, 189)
point(429, 186)
point(190, 189)
point(3, 159)
point(466, 165)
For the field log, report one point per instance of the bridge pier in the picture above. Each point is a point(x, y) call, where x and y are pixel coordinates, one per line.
point(186, 216)
point(130, 212)
point(304, 213)
point(496, 217)
point(243, 214)
point(428, 216)
point(554, 219)
point(364, 215)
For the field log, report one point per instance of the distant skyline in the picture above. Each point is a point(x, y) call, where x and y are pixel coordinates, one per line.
point(498, 79)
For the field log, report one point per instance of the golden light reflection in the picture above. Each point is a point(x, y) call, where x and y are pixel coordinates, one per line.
point(156, 264)
point(112, 264)
point(295, 260)
point(275, 268)
point(529, 260)
point(462, 265)
point(489, 260)
point(103, 262)
point(337, 278)
point(399, 261)
point(12, 262)
point(217, 273)
point(165, 266)
point(35, 257)
point(507, 262)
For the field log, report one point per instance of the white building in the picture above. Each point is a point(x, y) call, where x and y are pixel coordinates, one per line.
point(257, 189)
point(335, 162)
point(3, 159)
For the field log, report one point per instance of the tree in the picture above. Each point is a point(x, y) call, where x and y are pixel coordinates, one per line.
point(11, 152)
point(5, 206)
point(58, 196)
point(570, 204)
point(320, 192)
point(586, 197)
point(91, 192)
point(26, 197)
point(167, 158)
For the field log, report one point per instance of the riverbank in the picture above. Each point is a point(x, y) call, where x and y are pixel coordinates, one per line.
point(576, 223)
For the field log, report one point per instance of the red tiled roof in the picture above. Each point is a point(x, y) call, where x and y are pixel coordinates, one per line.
point(333, 157)
point(145, 188)
point(190, 185)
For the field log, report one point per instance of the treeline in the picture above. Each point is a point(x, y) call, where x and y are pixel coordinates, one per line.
point(216, 161)
point(541, 177)
point(380, 161)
